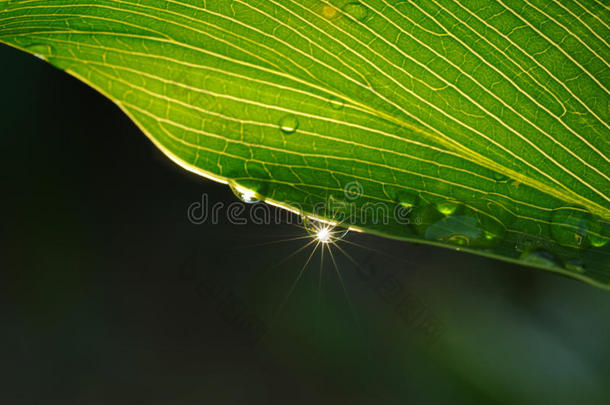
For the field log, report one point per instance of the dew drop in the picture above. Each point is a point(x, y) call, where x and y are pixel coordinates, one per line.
point(539, 258)
point(492, 236)
point(501, 178)
point(289, 124)
point(460, 240)
point(356, 10)
point(463, 227)
point(575, 265)
point(406, 200)
point(576, 228)
point(245, 195)
point(329, 12)
point(447, 207)
point(599, 238)
point(41, 51)
point(458, 230)
point(322, 231)
point(597, 241)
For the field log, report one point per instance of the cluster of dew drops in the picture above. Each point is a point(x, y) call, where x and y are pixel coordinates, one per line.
point(321, 230)
point(570, 227)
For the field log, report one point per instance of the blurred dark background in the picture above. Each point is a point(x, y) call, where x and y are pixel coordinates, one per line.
point(109, 294)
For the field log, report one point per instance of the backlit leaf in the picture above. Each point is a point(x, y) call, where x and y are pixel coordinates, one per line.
point(476, 124)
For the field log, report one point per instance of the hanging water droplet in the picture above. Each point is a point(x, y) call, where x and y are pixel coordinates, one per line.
point(245, 195)
point(289, 124)
point(539, 258)
point(336, 103)
point(41, 51)
point(322, 231)
point(457, 230)
point(47, 53)
point(575, 265)
point(576, 228)
point(463, 227)
point(356, 10)
point(460, 240)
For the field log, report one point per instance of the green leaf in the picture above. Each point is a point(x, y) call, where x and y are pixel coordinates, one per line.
point(479, 125)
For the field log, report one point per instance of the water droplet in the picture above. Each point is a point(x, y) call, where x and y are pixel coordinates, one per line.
point(245, 195)
point(575, 265)
point(323, 231)
point(336, 103)
point(460, 240)
point(501, 178)
point(463, 227)
point(289, 124)
point(576, 228)
point(600, 237)
point(356, 10)
point(539, 258)
point(329, 12)
point(41, 51)
point(457, 230)
point(447, 207)
point(406, 200)
point(489, 235)
point(597, 240)
point(405, 203)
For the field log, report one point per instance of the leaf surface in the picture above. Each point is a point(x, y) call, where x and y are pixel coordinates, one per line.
point(479, 125)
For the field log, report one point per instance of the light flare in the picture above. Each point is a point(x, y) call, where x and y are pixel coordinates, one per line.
point(323, 235)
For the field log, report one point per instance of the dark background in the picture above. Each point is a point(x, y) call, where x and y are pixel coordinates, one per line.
point(110, 295)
